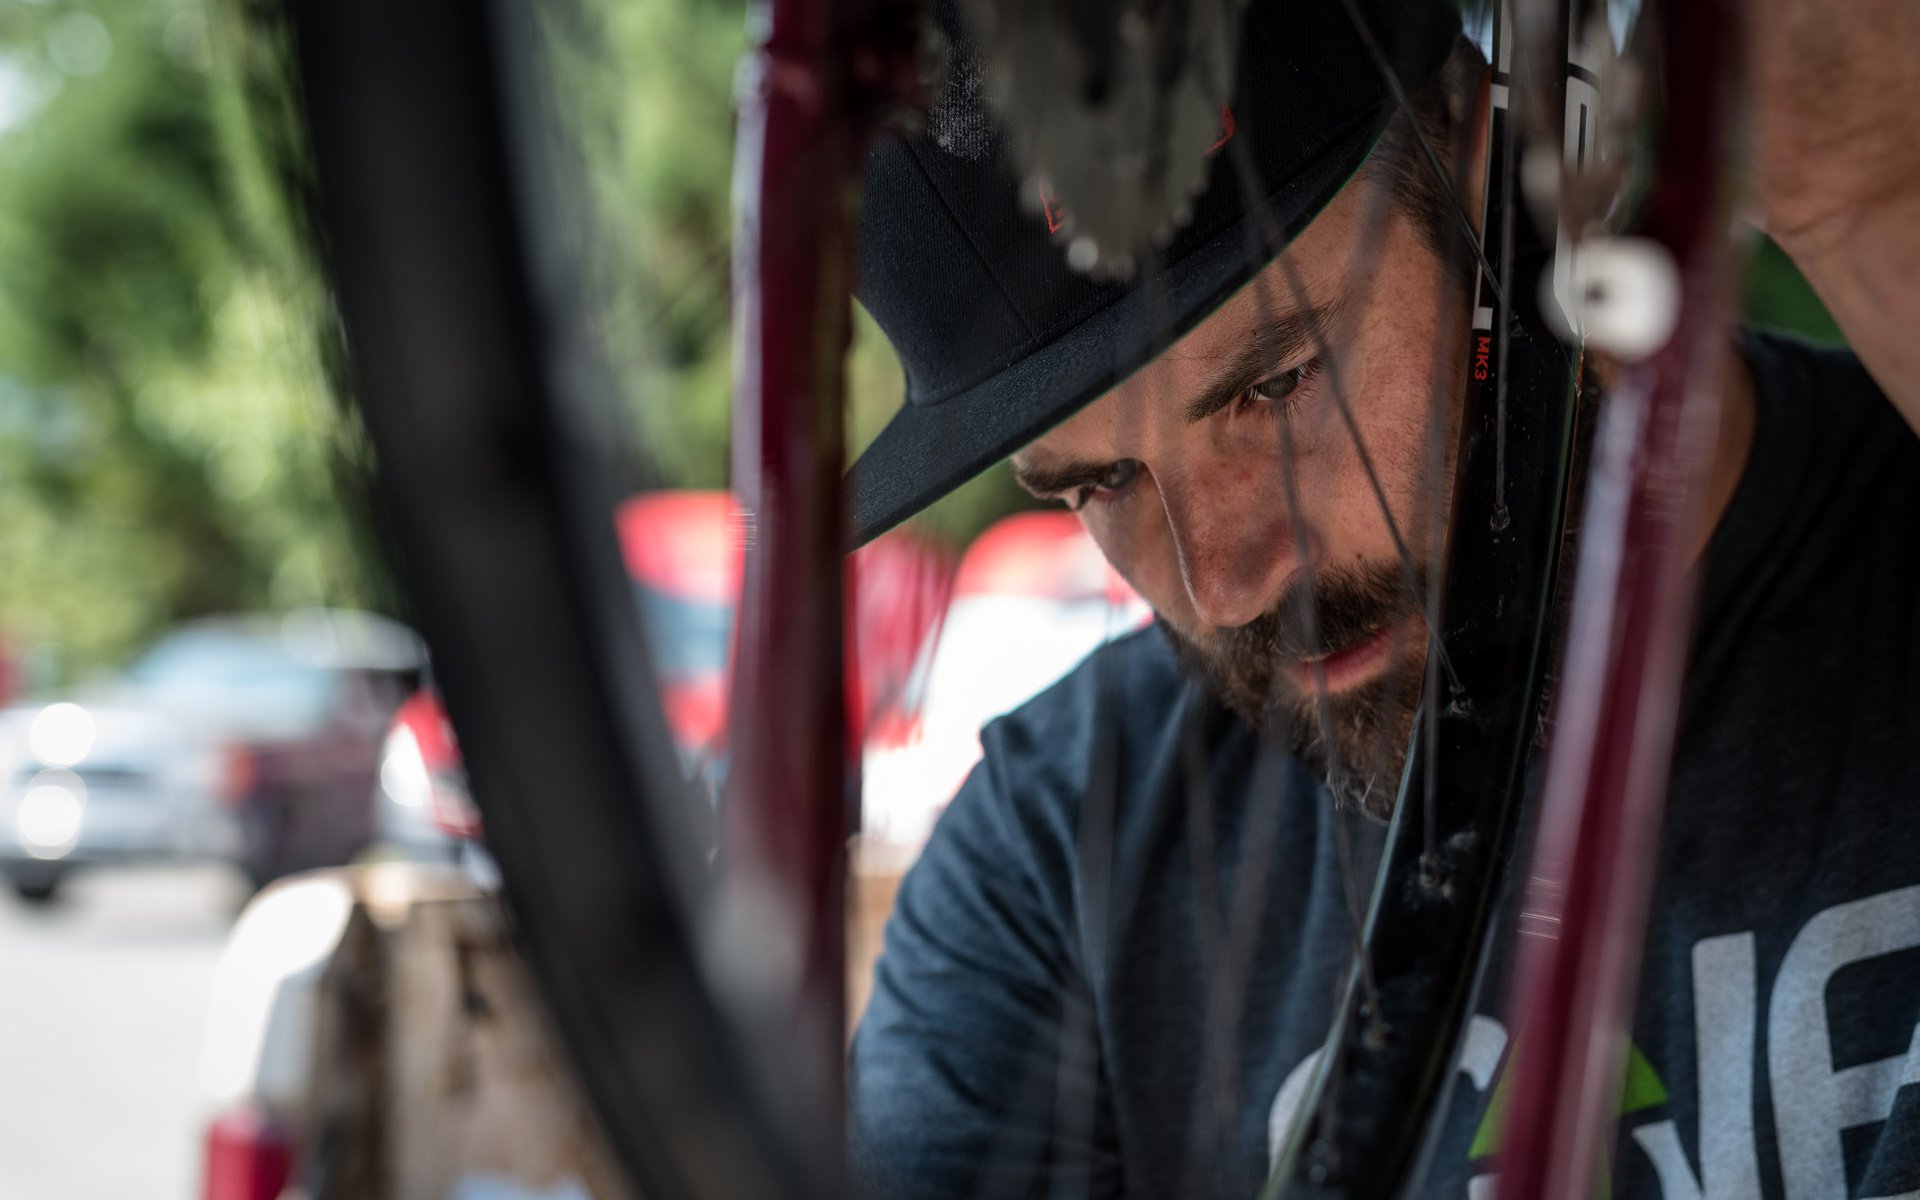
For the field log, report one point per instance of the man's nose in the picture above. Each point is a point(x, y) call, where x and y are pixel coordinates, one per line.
point(1236, 543)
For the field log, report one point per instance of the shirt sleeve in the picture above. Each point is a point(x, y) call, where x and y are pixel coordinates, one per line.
point(975, 1071)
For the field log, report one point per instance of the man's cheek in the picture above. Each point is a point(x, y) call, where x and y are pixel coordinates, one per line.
point(1139, 548)
point(1296, 462)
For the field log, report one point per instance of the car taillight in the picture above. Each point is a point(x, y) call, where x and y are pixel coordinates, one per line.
point(238, 770)
point(892, 727)
point(452, 808)
point(249, 1156)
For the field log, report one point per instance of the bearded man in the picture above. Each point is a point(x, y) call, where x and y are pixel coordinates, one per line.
point(1257, 444)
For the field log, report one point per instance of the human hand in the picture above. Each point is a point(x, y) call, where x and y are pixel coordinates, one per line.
point(1835, 95)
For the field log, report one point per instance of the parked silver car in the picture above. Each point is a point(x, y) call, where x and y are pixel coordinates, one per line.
point(249, 739)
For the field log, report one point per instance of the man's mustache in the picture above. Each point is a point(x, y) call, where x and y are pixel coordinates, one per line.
point(1328, 612)
point(1243, 665)
point(1356, 739)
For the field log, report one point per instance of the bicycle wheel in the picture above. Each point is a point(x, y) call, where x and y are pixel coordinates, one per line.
point(456, 276)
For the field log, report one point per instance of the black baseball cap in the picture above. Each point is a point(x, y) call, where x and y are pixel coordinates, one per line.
point(1001, 339)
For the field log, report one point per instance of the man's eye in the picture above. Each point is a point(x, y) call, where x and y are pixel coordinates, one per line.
point(1118, 477)
point(1287, 385)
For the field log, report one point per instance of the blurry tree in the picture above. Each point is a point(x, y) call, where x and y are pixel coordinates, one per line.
point(166, 445)
point(1778, 296)
point(643, 92)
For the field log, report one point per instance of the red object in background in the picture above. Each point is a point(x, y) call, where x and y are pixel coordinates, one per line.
point(684, 551)
point(696, 712)
point(1046, 553)
point(449, 805)
point(239, 771)
point(426, 720)
point(690, 546)
point(249, 1156)
point(904, 584)
point(684, 543)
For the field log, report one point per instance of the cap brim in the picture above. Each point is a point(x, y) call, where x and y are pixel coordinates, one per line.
point(926, 451)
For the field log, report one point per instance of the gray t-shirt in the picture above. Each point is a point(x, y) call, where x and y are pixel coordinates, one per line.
point(1110, 969)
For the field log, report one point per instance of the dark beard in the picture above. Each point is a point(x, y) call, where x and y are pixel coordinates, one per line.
point(1369, 726)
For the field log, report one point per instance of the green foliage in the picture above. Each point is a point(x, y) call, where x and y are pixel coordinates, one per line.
point(167, 442)
point(1778, 297)
point(643, 93)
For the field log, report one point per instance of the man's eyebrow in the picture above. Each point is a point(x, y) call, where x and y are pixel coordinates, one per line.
point(1286, 339)
point(1058, 479)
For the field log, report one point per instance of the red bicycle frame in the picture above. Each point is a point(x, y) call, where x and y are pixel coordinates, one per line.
point(812, 88)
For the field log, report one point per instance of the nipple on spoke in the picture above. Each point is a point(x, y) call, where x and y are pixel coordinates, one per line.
point(1428, 876)
point(1502, 517)
point(1322, 1159)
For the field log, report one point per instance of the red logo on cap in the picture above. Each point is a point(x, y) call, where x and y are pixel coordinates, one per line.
point(1226, 130)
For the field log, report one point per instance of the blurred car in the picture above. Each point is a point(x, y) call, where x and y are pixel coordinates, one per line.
point(683, 551)
point(249, 739)
point(1033, 597)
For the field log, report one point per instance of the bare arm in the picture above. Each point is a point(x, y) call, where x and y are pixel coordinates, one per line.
point(1836, 90)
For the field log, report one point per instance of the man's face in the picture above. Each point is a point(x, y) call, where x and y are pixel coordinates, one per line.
point(1227, 484)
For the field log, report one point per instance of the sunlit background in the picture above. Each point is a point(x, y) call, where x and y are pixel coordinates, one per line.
point(198, 634)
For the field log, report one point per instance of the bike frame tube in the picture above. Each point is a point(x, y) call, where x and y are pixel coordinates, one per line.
point(790, 780)
point(817, 74)
point(1613, 741)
